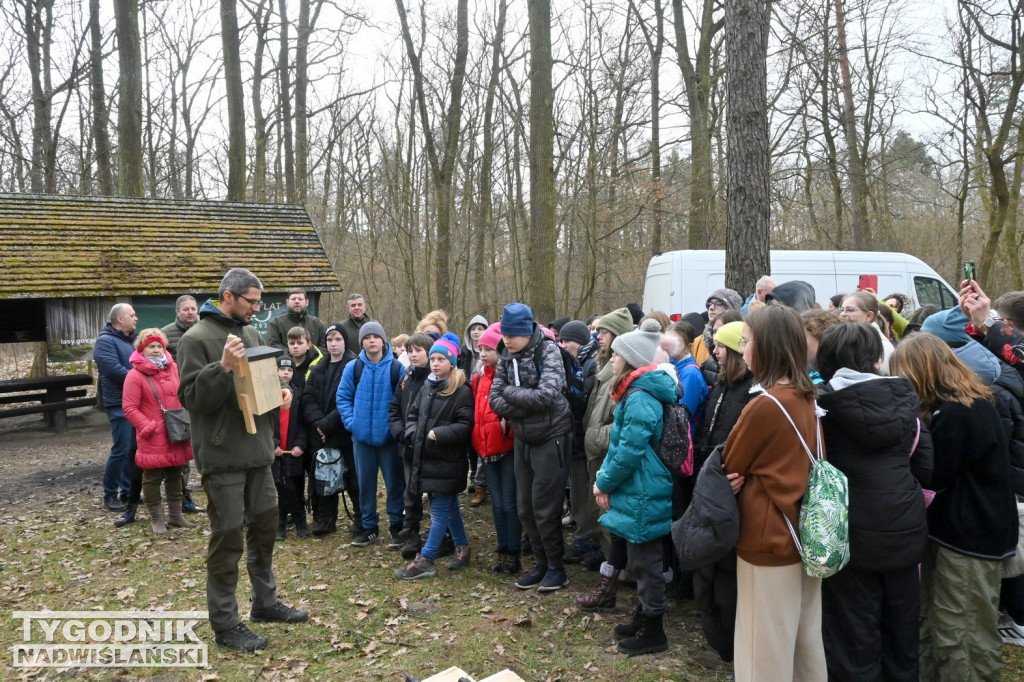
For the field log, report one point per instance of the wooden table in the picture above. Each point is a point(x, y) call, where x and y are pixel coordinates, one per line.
point(54, 395)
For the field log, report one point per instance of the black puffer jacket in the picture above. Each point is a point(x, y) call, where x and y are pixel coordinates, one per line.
point(320, 408)
point(401, 401)
point(532, 400)
point(1010, 389)
point(440, 466)
point(869, 431)
point(721, 412)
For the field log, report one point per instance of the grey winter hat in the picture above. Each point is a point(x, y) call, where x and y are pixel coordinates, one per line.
point(371, 327)
point(575, 331)
point(638, 347)
point(732, 300)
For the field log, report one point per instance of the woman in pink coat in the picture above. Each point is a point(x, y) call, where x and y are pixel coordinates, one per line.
point(154, 375)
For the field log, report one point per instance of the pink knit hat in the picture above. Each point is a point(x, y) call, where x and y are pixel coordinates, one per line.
point(491, 336)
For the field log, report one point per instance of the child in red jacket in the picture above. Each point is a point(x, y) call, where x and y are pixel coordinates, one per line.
point(151, 387)
point(492, 440)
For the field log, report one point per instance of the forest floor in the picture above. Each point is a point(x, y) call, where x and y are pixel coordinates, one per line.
point(60, 552)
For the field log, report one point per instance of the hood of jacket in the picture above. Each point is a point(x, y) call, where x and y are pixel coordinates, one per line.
point(140, 363)
point(873, 410)
point(796, 294)
point(110, 330)
point(658, 380)
point(467, 341)
point(387, 356)
point(980, 361)
point(209, 309)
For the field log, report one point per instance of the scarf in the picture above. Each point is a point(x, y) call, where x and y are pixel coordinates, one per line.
point(160, 362)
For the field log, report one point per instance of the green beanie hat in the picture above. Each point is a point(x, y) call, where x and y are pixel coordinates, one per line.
point(618, 322)
point(729, 335)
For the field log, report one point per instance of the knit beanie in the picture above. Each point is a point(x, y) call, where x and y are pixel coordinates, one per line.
point(635, 312)
point(732, 300)
point(949, 325)
point(517, 320)
point(285, 361)
point(575, 331)
point(729, 335)
point(448, 346)
point(340, 328)
point(618, 322)
point(560, 322)
point(371, 327)
point(491, 337)
point(638, 347)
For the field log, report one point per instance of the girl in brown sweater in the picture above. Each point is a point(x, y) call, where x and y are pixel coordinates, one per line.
point(778, 615)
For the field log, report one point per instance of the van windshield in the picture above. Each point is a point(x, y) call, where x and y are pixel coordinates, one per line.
point(931, 291)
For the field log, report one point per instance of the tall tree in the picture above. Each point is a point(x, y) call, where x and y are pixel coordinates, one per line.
point(543, 230)
point(860, 228)
point(655, 44)
point(235, 99)
point(442, 166)
point(98, 100)
point(129, 102)
point(748, 237)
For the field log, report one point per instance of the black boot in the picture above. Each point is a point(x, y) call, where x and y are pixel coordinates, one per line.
point(282, 524)
point(412, 544)
point(627, 630)
point(127, 517)
point(301, 529)
point(500, 563)
point(649, 638)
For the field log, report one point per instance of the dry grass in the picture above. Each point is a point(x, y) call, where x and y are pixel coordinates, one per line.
point(60, 552)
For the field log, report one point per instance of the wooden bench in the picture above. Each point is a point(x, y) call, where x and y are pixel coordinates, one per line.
point(54, 395)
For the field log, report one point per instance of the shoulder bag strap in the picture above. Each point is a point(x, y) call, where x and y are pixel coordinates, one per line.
point(155, 394)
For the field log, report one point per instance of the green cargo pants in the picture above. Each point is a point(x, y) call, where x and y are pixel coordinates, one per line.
point(238, 500)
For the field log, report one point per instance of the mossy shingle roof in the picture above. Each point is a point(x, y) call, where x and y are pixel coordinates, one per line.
point(65, 246)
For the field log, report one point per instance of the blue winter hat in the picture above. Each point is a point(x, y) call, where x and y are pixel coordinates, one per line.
point(517, 320)
point(949, 325)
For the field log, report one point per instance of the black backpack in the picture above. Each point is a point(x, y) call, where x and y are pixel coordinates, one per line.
point(574, 390)
point(675, 449)
point(357, 373)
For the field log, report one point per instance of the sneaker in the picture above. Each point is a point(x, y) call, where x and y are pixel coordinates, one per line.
point(396, 540)
point(355, 530)
point(578, 553)
point(533, 578)
point(567, 521)
point(241, 638)
point(422, 567)
point(366, 537)
point(1010, 631)
point(188, 506)
point(278, 613)
point(554, 579)
point(412, 546)
point(462, 557)
point(113, 504)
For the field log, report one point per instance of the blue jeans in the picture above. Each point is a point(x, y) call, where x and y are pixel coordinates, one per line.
point(444, 515)
point(115, 476)
point(368, 459)
point(501, 479)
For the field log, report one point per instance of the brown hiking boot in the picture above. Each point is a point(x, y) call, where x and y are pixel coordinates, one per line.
point(603, 597)
point(478, 496)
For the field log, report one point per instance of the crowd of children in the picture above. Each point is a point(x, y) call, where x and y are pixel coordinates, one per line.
point(923, 414)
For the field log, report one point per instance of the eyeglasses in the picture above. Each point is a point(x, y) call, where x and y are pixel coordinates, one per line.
point(255, 305)
point(713, 303)
point(850, 311)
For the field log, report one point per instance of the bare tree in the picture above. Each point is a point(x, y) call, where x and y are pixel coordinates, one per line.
point(235, 100)
point(100, 115)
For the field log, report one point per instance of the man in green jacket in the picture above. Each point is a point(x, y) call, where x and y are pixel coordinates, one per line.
point(234, 464)
point(297, 316)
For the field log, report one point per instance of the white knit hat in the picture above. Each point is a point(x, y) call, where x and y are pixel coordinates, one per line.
point(638, 347)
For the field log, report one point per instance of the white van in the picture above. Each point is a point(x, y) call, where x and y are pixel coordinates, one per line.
point(679, 282)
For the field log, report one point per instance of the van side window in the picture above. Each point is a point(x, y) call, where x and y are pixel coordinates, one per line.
point(931, 291)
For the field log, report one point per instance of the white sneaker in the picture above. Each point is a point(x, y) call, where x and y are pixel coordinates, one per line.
point(1011, 632)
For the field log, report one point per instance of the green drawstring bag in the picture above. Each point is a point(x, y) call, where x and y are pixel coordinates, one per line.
point(824, 538)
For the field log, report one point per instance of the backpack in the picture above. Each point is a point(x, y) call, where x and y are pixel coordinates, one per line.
point(574, 390)
point(329, 471)
point(824, 541)
point(357, 373)
point(675, 449)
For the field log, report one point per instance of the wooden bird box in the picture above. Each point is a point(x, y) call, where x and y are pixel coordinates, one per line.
point(256, 383)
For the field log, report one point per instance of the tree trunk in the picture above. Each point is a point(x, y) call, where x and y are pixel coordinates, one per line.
point(129, 102)
point(261, 19)
point(748, 238)
point(285, 100)
point(100, 115)
point(236, 104)
point(543, 231)
point(860, 228)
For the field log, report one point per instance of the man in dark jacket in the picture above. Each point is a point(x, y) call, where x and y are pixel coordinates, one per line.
point(113, 348)
point(277, 330)
point(186, 313)
point(235, 464)
point(357, 317)
point(530, 396)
